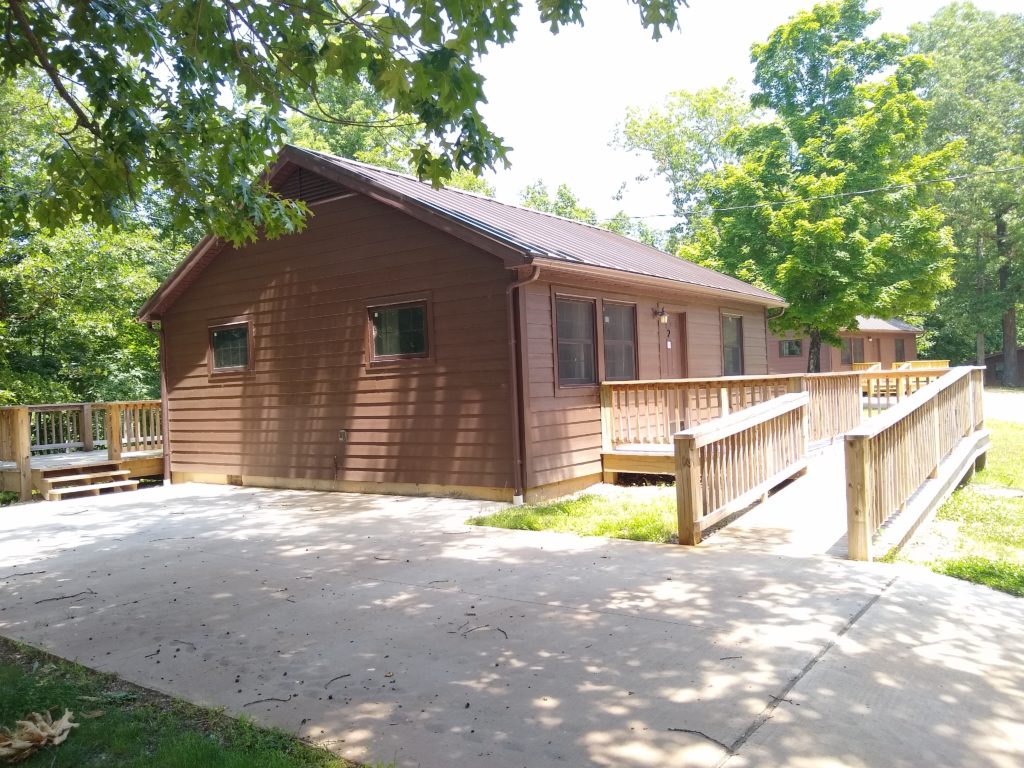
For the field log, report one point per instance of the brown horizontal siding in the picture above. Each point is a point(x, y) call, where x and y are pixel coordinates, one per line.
point(564, 427)
point(441, 421)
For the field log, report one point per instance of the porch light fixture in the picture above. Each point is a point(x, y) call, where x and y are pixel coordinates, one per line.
point(661, 314)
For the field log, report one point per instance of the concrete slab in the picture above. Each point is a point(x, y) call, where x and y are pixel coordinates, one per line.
point(385, 629)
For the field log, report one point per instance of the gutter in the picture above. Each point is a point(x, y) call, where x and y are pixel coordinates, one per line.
point(513, 303)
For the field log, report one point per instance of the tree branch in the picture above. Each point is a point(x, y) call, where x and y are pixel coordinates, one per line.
point(44, 61)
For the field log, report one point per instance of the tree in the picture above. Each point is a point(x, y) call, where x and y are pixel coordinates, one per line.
point(686, 138)
point(796, 215)
point(976, 85)
point(192, 97)
point(68, 295)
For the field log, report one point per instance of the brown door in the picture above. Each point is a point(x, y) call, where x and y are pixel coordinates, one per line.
point(672, 340)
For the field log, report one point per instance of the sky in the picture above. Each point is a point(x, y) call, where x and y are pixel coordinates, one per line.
point(557, 99)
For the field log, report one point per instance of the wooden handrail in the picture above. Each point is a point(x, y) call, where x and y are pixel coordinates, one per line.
point(912, 401)
point(892, 456)
point(726, 464)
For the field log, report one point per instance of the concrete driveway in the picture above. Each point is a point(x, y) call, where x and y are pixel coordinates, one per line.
point(387, 630)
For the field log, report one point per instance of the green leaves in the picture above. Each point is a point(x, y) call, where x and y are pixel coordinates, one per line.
point(795, 212)
point(191, 96)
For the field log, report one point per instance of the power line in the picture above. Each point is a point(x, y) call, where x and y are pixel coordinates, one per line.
point(836, 195)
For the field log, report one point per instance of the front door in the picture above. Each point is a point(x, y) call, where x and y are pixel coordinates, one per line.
point(672, 340)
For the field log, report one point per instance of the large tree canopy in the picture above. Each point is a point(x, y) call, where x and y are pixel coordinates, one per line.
point(192, 96)
point(976, 85)
point(797, 213)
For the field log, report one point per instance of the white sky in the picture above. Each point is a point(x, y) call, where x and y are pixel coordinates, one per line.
point(556, 99)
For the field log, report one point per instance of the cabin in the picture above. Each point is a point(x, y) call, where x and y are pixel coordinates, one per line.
point(889, 343)
point(415, 340)
point(994, 367)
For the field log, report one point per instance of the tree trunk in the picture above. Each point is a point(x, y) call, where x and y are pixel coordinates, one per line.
point(814, 353)
point(1010, 370)
point(981, 348)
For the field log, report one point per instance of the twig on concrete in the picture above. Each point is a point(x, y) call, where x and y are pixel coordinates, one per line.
point(151, 655)
point(184, 642)
point(24, 573)
point(65, 597)
point(485, 626)
point(727, 658)
point(271, 698)
point(780, 699)
point(378, 557)
point(701, 733)
point(173, 538)
point(339, 677)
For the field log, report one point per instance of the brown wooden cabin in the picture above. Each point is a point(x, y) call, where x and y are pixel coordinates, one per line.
point(889, 342)
point(426, 341)
point(994, 367)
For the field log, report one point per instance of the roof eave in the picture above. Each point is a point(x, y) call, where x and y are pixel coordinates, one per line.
point(661, 282)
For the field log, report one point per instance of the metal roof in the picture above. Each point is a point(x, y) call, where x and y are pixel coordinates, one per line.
point(892, 325)
point(543, 235)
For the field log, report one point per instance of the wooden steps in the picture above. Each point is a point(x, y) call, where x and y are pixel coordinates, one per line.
point(87, 480)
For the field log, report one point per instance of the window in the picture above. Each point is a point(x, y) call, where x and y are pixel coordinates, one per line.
point(732, 345)
point(901, 350)
point(790, 348)
point(399, 331)
point(852, 351)
point(574, 322)
point(619, 342)
point(229, 347)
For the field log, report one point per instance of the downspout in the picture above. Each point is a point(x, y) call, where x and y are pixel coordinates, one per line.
point(515, 391)
point(165, 431)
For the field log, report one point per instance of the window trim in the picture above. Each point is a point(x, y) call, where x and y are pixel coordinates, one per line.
point(598, 342)
point(743, 356)
point(374, 361)
point(799, 348)
point(222, 324)
point(636, 340)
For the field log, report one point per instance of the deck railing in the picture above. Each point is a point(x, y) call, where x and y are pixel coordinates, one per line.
point(884, 389)
point(891, 457)
point(835, 405)
point(650, 412)
point(725, 465)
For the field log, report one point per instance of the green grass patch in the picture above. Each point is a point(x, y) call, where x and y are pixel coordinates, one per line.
point(127, 726)
point(988, 547)
point(998, 574)
point(1004, 467)
point(641, 514)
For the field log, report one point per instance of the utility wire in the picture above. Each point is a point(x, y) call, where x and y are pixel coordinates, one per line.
point(836, 195)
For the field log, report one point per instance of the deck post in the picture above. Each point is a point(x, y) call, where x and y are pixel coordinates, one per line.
point(21, 444)
point(723, 401)
point(859, 494)
point(113, 430)
point(85, 425)
point(689, 506)
point(606, 418)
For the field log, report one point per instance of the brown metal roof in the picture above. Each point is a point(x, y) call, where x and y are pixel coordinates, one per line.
point(543, 235)
point(892, 325)
point(517, 235)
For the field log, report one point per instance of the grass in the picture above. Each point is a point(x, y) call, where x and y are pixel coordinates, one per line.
point(641, 514)
point(984, 532)
point(127, 726)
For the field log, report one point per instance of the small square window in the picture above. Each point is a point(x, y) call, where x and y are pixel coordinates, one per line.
point(790, 348)
point(229, 347)
point(399, 331)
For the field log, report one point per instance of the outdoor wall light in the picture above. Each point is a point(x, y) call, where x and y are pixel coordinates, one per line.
point(661, 314)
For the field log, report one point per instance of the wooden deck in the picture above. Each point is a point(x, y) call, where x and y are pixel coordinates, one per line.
point(140, 463)
point(42, 446)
